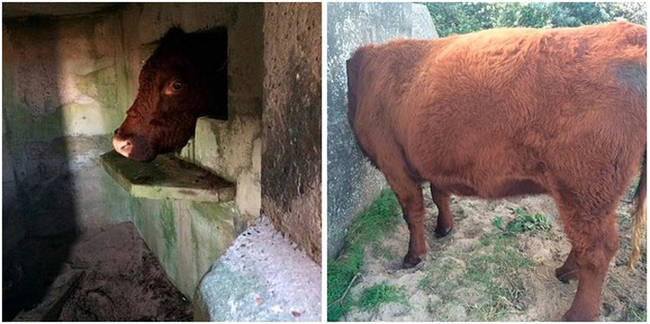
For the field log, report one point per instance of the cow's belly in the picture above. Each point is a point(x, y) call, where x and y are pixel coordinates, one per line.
point(494, 189)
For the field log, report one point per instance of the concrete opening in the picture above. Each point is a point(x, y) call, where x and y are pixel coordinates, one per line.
point(215, 42)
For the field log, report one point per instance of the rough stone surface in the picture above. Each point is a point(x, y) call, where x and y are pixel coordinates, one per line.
point(27, 9)
point(60, 99)
point(187, 236)
point(352, 182)
point(67, 83)
point(262, 277)
point(13, 229)
point(231, 149)
point(291, 157)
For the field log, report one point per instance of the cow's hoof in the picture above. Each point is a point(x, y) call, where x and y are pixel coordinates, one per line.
point(410, 261)
point(566, 275)
point(443, 232)
point(574, 316)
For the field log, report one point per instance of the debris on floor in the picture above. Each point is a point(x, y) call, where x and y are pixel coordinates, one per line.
point(111, 275)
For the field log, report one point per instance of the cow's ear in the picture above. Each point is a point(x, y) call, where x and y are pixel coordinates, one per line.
point(174, 35)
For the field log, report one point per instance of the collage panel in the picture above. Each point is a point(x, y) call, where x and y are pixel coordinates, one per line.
point(161, 161)
point(486, 161)
point(324, 161)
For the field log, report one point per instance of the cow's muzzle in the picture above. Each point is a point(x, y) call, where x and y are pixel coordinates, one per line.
point(133, 147)
point(123, 146)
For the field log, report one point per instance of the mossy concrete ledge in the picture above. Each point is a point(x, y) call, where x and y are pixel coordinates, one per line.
point(167, 177)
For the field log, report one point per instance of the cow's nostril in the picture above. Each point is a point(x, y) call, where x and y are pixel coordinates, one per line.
point(123, 146)
point(126, 145)
point(117, 130)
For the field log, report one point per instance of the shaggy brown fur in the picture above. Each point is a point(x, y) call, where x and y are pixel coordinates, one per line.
point(508, 112)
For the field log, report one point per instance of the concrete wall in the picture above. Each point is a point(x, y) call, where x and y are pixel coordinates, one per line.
point(61, 100)
point(291, 158)
point(67, 83)
point(352, 182)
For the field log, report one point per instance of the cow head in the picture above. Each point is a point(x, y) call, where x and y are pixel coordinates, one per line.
point(184, 79)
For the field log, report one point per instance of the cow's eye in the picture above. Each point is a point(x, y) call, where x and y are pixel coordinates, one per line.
point(177, 86)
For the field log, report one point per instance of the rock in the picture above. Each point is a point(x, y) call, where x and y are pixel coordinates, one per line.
point(261, 277)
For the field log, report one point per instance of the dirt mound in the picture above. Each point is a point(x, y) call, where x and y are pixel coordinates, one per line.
point(111, 275)
point(483, 273)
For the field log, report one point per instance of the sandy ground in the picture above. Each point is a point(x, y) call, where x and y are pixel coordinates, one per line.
point(442, 289)
point(119, 279)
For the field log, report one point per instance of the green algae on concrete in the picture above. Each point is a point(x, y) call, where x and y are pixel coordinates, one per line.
point(167, 177)
point(168, 227)
point(187, 237)
point(214, 228)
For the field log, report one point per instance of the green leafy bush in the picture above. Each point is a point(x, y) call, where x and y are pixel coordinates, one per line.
point(464, 17)
point(523, 222)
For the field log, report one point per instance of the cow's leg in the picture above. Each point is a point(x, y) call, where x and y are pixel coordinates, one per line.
point(594, 240)
point(445, 221)
point(569, 270)
point(409, 195)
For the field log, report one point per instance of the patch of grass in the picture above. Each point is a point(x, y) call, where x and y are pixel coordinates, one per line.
point(498, 271)
point(379, 219)
point(631, 191)
point(435, 276)
point(373, 297)
point(523, 222)
point(339, 274)
point(382, 251)
point(374, 222)
point(635, 314)
point(625, 220)
point(426, 282)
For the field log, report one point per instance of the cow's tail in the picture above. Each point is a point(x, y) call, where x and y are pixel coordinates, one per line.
point(639, 216)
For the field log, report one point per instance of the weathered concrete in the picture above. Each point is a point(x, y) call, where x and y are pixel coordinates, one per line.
point(352, 182)
point(231, 149)
point(67, 83)
point(27, 9)
point(274, 282)
point(187, 237)
point(13, 229)
point(167, 177)
point(60, 100)
point(291, 158)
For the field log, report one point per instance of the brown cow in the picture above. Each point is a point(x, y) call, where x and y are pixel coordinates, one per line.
point(510, 112)
point(184, 79)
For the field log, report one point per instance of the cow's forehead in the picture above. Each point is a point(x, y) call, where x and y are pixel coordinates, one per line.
point(161, 67)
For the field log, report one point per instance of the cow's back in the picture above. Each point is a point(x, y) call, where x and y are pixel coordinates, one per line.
point(504, 103)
